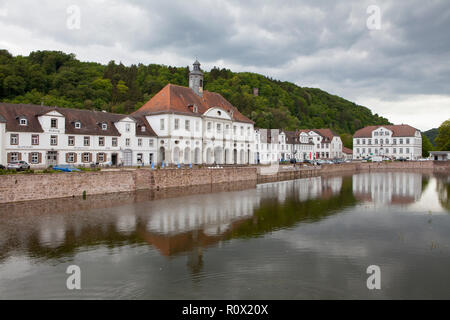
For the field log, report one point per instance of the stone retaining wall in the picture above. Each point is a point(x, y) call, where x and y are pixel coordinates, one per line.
point(25, 187)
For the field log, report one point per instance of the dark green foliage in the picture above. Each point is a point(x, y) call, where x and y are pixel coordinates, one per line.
point(56, 78)
point(431, 135)
point(443, 138)
point(426, 146)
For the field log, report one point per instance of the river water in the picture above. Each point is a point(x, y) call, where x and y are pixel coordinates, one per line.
point(311, 238)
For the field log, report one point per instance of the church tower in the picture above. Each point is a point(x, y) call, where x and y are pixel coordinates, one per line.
point(196, 79)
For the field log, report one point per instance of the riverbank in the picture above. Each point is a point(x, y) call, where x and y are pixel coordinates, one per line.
point(27, 187)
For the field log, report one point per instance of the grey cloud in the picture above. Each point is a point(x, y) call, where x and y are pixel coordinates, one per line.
point(319, 42)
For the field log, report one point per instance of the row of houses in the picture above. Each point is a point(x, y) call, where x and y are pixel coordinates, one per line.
point(179, 125)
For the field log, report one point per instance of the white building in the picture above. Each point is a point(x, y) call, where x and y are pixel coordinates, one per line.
point(197, 126)
point(270, 146)
point(45, 136)
point(393, 141)
point(301, 145)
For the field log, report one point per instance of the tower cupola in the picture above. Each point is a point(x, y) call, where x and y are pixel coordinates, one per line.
point(196, 79)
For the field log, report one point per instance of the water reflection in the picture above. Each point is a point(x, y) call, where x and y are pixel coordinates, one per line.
point(388, 187)
point(187, 222)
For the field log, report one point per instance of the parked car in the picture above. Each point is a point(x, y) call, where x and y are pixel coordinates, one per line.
point(293, 160)
point(18, 165)
point(377, 159)
point(65, 168)
point(402, 159)
point(2, 167)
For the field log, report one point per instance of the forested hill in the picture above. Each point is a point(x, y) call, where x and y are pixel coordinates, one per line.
point(56, 78)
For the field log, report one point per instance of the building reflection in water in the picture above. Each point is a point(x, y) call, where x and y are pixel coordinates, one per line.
point(179, 221)
point(388, 187)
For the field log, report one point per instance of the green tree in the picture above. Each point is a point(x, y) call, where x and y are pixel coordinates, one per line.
point(443, 138)
point(426, 146)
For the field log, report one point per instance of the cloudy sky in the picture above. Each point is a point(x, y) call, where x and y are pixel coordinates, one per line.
point(399, 68)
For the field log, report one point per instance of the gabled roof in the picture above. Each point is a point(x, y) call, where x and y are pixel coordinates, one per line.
point(401, 130)
point(178, 99)
point(327, 134)
point(347, 150)
point(90, 120)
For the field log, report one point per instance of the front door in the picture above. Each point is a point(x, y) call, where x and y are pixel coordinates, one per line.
point(52, 158)
point(114, 159)
point(127, 158)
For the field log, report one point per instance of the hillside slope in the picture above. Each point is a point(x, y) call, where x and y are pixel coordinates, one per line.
point(56, 78)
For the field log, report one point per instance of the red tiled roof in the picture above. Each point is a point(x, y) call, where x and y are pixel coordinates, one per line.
point(178, 99)
point(91, 121)
point(326, 133)
point(401, 130)
point(347, 150)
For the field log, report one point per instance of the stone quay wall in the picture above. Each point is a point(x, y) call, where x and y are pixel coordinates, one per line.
point(26, 187)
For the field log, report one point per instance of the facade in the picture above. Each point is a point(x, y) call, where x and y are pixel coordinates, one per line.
point(46, 136)
point(327, 144)
point(197, 126)
point(270, 146)
point(348, 153)
point(391, 141)
point(440, 155)
point(300, 145)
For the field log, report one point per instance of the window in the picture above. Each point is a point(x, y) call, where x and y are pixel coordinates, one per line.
point(139, 142)
point(127, 127)
point(187, 125)
point(394, 150)
point(394, 141)
point(143, 129)
point(104, 126)
point(219, 128)
point(54, 123)
point(150, 142)
point(71, 140)
point(401, 141)
point(407, 150)
point(234, 130)
point(14, 139)
point(161, 124)
point(14, 156)
point(71, 157)
point(78, 125)
point(376, 133)
point(53, 140)
point(370, 150)
point(35, 158)
point(114, 142)
point(101, 157)
point(407, 141)
point(87, 141)
point(242, 130)
point(363, 141)
point(197, 125)
point(177, 124)
point(400, 150)
point(357, 150)
point(127, 142)
point(101, 141)
point(369, 141)
point(35, 139)
point(23, 121)
point(364, 150)
point(357, 141)
point(386, 141)
point(376, 141)
point(86, 157)
point(195, 108)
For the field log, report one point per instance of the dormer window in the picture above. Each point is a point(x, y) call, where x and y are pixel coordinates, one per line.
point(78, 125)
point(219, 113)
point(195, 109)
point(23, 122)
point(143, 129)
point(104, 126)
point(54, 123)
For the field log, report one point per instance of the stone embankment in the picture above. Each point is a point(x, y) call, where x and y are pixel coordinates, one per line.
point(25, 187)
